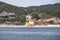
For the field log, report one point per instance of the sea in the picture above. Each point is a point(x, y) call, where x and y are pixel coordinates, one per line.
point(29, 33)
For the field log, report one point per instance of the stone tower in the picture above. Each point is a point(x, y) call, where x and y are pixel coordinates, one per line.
point(29, 20)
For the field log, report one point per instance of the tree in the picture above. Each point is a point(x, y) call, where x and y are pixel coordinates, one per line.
point(50, 22)
point(44, 15)
point(57, 14)
point(23, 18)
point(35, 16)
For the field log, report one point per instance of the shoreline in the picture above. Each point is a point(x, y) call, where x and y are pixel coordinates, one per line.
point(35, 26)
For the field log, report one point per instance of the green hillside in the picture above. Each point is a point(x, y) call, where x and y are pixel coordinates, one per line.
point(43, 11)
point(50, 9)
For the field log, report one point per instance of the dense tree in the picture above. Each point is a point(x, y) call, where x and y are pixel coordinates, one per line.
point(35, 16)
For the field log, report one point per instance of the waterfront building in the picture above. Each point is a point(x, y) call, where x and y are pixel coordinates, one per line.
point(7, 15)
point(29, 20)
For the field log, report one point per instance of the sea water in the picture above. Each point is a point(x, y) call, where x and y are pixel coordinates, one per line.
point(29, 33)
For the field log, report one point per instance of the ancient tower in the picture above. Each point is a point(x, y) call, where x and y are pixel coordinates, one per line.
point(29, 20)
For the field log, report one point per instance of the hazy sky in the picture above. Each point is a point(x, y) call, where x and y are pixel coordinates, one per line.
point(25, 3)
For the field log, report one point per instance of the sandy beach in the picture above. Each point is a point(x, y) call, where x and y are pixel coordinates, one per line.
point(4, 25)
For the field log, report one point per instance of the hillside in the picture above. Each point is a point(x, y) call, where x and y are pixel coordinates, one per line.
point(43, 11)
point(50, 9)
point(10, 8)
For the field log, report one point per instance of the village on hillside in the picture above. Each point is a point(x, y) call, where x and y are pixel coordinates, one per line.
point(51, 21)
point(46, 14)
point(9, 17)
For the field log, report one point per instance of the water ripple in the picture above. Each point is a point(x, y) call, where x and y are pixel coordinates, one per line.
point(30, 33)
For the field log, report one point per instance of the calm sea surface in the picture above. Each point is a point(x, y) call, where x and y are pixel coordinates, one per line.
point(29, 33)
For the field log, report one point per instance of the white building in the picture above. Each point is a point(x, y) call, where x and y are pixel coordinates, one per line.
point(29, 20)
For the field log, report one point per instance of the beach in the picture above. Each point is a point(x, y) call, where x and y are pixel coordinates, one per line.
point(4, 25)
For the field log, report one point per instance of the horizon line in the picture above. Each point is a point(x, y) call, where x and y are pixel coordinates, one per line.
point(31, 5)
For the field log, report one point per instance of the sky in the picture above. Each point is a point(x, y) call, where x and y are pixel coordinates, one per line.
point(26, 3)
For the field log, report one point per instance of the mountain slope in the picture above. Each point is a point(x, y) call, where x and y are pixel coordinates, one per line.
point(50, 9)
point(10, 8)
